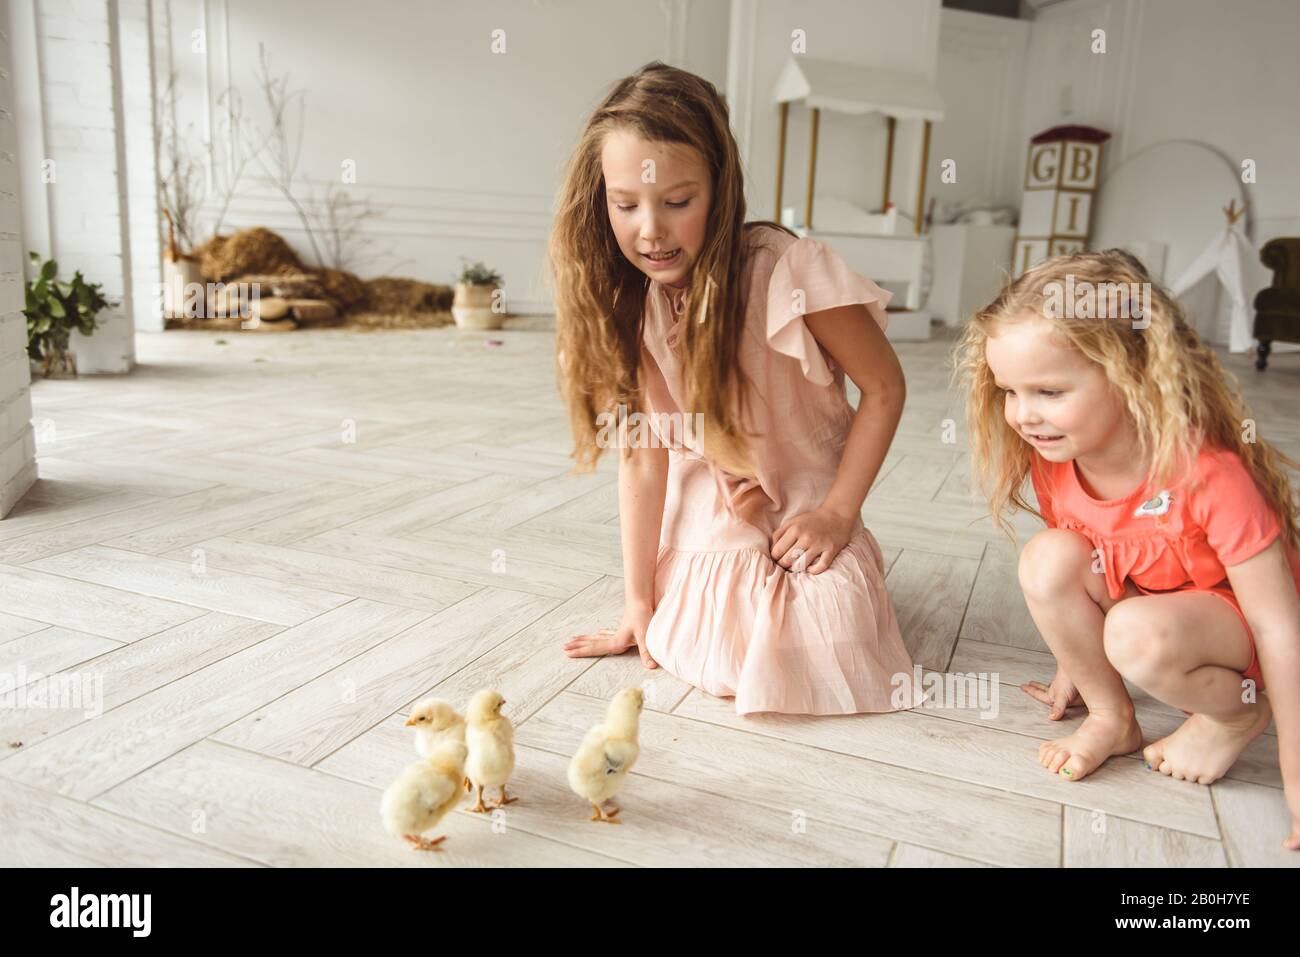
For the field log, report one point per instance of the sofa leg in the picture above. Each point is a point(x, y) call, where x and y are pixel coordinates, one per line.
point(1261, 354)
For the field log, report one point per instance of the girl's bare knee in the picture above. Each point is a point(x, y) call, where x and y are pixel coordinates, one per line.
point(1139, 641)
point(1054, 563)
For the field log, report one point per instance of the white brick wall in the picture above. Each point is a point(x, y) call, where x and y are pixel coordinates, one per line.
point(84, 134)
point(17, 442)
point(135, 36)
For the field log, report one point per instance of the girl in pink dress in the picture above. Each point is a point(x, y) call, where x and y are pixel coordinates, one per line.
point(748, 572)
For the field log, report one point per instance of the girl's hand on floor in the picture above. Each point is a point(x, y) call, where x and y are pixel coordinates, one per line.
point(630, 633)
point(1060, 696)
point(811, 540)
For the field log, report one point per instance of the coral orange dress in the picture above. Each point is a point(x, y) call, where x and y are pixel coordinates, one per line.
point(1180, 539)
point(727, 618)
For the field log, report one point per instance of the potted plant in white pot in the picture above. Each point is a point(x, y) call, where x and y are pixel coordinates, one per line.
point(53, 309)
point(181, 272)
point(476, 304)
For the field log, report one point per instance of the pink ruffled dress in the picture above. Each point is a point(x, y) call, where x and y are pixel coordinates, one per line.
point(728, 619)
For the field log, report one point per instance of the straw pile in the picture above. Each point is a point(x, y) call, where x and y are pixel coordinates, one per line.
point(346, 290)
point(257, 250)
point(391, 294)
point(294, 295)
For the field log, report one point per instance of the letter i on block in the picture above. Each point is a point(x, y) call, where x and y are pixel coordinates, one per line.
point(1061, 177)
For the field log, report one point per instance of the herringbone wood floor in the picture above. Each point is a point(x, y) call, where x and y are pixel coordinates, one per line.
point(267, 547)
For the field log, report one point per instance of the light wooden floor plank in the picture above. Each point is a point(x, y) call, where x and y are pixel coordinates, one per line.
point(210, 587)
point(314, 571)
point(982, 823)
point(89, 759)
point(87, 606)
point(136, 669)
point(928, 742)
point(51, 650)
point(322, 715)
point(44, 830)
point(1095, 839)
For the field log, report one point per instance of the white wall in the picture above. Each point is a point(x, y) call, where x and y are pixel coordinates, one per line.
point(981, 77)
point(462, 149)
point(902, 34)
point(139, 141)
point(1221, 74)
point(68, 88)
point(17, 442)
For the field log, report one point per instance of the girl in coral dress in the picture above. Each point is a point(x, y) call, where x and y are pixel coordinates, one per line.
point(748, 572)
point(1170, 554)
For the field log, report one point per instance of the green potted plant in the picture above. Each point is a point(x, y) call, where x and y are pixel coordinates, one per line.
point(53, 309)
point(477, 304)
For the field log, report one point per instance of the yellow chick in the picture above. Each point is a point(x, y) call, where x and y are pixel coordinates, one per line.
point(435, 721)
point(423, 794)
point(491, 740)
point(607, 753)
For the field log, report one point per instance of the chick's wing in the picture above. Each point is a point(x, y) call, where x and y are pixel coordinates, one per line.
point(619, 755)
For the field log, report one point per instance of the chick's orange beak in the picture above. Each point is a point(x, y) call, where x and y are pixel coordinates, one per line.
point(410, 722)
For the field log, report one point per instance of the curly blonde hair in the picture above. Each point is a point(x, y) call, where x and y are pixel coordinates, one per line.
point(1177, 395)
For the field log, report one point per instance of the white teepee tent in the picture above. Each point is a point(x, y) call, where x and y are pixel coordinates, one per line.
point(1228, 257)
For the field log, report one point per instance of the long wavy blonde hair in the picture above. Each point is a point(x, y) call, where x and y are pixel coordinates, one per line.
point(600, 296)
point(1178, 397)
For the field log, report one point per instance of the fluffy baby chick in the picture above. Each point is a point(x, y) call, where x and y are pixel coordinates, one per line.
point(607, 753)
point(423, 794)
point(435, 721)
point(491, 740)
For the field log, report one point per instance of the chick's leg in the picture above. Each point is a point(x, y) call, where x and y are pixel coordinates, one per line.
point(480, 807)
point(468, 786)
point(600, 815)
point(425, 844)
point(502, 800)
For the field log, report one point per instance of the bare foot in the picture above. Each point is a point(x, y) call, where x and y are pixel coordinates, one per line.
point(602, 642)
point(1101, 735)
point(1203, 748)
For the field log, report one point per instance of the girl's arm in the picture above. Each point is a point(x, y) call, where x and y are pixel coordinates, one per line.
point(1267, 593)
point(859, 345)
point(642, 485)
point(812, 540)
